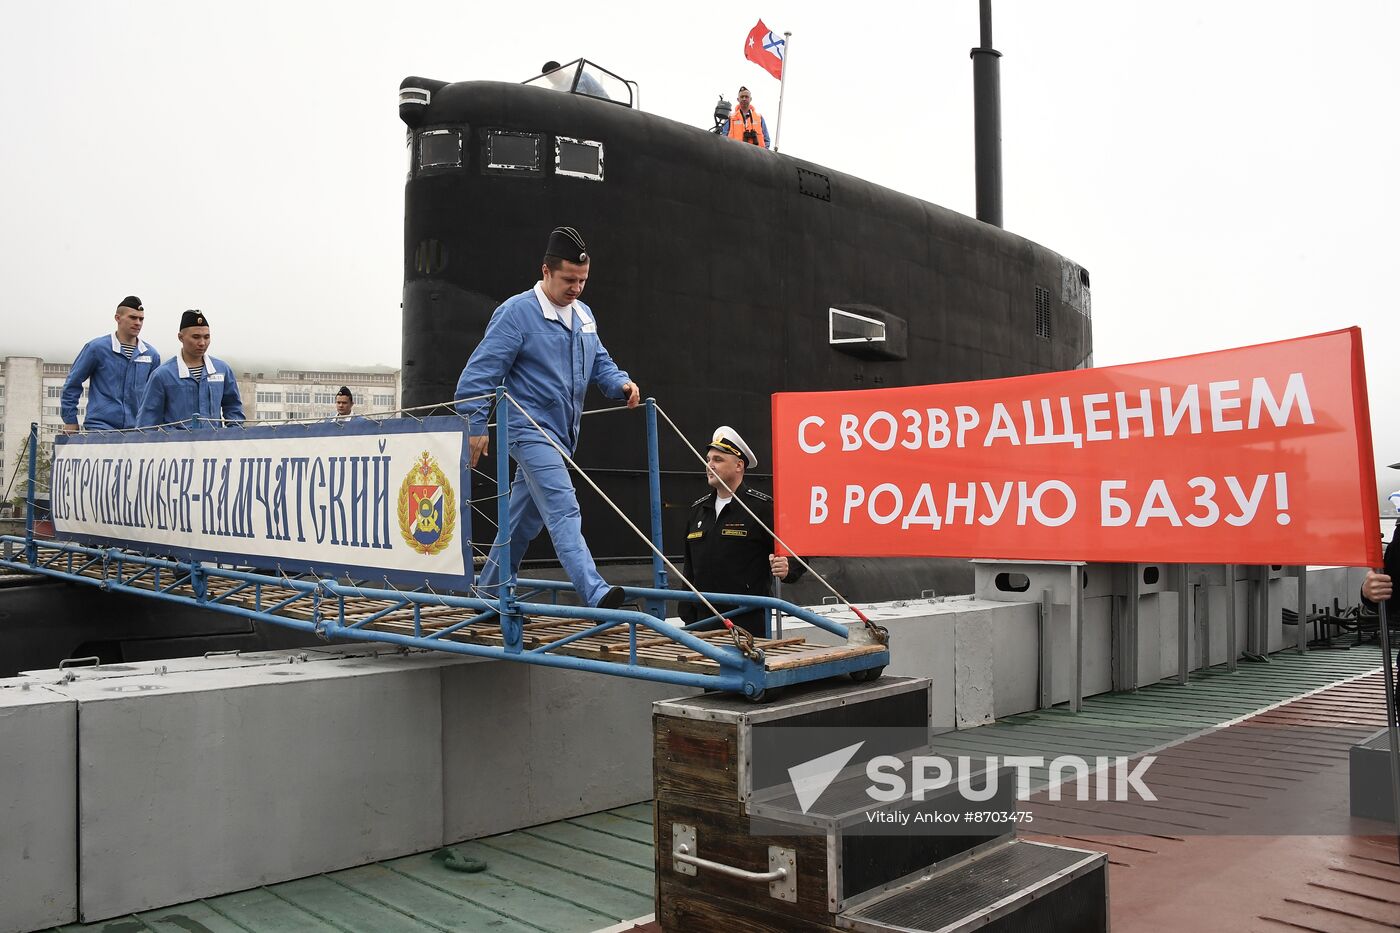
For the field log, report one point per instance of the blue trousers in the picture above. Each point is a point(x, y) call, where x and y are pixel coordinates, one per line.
point(542, 496)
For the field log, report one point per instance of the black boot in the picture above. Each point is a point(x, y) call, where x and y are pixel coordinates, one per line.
point(612, 599)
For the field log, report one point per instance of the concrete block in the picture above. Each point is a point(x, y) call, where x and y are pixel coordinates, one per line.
point(1015, 631)
point(486, 749)
point(1097, 663)
point(921, 643)
point(973, 677)
point(590, 741)
point(525, 744)
point(38, 807)
point(199, 783)
point(1150, 623)
point(1098, 657)
point(1218, 633)
point(1283, 593)
point(1157, 641)
point(980, 655)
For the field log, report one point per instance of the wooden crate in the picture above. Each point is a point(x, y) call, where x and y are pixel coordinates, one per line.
point(704, 777)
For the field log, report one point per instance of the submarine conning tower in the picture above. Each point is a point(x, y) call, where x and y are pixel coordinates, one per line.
point(721, 272)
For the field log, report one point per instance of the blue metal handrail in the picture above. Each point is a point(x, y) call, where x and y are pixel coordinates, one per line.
point(738, 667)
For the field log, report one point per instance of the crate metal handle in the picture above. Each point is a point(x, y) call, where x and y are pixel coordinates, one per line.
point(781, 877)
point(682, 854)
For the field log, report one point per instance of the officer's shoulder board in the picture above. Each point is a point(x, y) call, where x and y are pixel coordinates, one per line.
point(700, 501)
point(760, 496)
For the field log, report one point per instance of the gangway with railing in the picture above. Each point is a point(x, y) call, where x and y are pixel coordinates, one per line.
point(526, 622)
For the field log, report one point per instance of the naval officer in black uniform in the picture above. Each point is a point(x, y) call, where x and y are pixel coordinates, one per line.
point(726, 549)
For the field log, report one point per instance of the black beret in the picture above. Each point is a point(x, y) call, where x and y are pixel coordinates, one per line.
point(193, 319)
point(345, 391)
point(132, 302)
point(566, 243)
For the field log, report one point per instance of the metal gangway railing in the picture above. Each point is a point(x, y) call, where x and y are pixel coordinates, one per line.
point(525, 621)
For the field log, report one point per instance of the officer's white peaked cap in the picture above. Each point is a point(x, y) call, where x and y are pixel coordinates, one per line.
point(729, 441)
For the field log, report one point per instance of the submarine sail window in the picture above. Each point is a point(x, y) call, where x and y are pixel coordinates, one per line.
point(440, 149)
point(578, 158)
point(585, 78)
point(507, 151)
point(846, 327)
point(869, 334)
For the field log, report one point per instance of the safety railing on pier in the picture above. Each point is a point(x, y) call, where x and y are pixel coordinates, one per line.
point(526, 621)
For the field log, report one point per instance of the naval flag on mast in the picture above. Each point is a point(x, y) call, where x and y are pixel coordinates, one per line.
point(766, 49)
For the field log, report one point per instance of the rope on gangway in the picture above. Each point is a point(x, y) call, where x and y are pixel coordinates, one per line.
point(743, 640)
point(742, 637)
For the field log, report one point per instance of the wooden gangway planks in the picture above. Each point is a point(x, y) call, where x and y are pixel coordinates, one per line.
point(377, 613)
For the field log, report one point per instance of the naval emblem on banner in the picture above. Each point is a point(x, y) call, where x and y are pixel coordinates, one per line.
point(427, 507)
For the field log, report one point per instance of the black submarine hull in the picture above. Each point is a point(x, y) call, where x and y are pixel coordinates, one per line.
point(44, 621)
point(716, 267)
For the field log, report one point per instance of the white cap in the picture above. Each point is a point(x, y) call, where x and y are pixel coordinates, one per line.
point(728, 441)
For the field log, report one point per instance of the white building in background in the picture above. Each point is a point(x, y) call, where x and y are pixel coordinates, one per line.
point(30, 391)
point(296, 394)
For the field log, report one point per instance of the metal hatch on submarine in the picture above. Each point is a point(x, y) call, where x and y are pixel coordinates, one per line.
point(722, 273)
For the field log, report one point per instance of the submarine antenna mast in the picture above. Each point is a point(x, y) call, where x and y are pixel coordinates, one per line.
point(782, 86)
point(986, 101)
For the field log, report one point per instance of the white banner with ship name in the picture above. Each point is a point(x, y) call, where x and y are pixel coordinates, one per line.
point(361, 498)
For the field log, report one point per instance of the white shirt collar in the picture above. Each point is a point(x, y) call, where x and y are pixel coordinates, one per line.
point(547, 306)
point(209, 368)
point(117, 345)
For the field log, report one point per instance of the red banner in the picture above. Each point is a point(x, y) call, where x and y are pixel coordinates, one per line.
point(1258, 455)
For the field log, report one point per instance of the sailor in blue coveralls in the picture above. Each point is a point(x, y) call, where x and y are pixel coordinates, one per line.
point(543, 346)
point(191, 383)
point(116, 368)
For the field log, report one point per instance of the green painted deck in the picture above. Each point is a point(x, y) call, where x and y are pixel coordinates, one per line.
point(593, 872)
point(574, 876)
